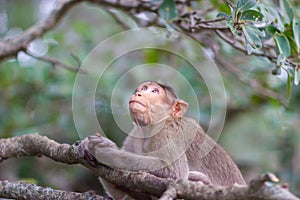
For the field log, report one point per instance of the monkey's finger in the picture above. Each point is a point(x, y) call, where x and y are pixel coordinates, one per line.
point(90, 158)
point(92, 137)
point(102, 142)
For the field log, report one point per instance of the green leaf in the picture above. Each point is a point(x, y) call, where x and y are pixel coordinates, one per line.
point(223, 7)
point(249, 48)
point(251, 37)
point(296, 31)
point(168, 26)
point(263, 9)
point(214, 2)
point(232, 28)
point(276, 71)
point(278, 21)
point(232, 11)
point(259, 32)
point(296, 78)
point(286, 6)
point(222, 14)
point(290, 36)
point(271, 30)
point(283, 44)
point(280, 60)
point(288, 84)
point(168, 10)
point(252, 15)
point(243, 5)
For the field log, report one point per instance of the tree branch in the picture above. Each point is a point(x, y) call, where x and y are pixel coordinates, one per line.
point(264, 187)
point(11, 47)
point(241, 48)
point(36, 145)
point(22, 190)
point(118, 19)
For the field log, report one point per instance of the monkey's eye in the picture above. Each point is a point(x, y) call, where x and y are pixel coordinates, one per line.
point(155, 90)
point(144, 88)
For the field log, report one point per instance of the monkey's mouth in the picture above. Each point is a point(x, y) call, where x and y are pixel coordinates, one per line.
point(134, 101)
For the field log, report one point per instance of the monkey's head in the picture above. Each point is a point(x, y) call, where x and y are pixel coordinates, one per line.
point(151, 102)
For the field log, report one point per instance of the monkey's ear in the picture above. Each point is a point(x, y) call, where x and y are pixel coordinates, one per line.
point(179, 108)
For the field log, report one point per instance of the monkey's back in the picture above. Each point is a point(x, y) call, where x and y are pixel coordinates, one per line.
point(215, 162)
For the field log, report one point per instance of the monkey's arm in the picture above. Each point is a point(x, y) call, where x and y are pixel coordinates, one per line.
point(101, 150)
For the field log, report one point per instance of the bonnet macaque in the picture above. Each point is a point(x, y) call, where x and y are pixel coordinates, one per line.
point(164, 142)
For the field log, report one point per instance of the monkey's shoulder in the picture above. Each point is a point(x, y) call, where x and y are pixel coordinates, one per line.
point(183, 124)
point(179, 130)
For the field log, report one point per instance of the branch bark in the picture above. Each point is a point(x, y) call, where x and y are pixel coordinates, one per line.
point(24, 191)
point(264, 187)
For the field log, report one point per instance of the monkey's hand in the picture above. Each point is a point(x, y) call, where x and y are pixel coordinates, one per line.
point(88, 145)
point(101, 142)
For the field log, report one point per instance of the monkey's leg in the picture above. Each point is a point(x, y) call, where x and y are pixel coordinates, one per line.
point(198, 176)
point(117, 192)
point(112, 191)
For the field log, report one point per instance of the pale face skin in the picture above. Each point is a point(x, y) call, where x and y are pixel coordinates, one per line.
point(148, 103)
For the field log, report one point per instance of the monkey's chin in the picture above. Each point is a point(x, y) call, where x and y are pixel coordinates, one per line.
point(137, 108)
point(141, 119)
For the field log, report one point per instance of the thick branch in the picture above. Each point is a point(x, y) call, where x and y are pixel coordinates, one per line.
point(36, 145)
point(24, 191)
point(32, 145)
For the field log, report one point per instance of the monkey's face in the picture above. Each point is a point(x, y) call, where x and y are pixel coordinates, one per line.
point(148, 103)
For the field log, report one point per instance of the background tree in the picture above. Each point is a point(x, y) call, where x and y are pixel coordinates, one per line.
point(255, 45)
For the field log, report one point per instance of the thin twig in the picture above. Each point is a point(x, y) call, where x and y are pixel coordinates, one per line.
point(211, 21)
point(118, 18)
point(229, 3)
point(57, 63)
point(212, 27)
point(241, 48)
point(76, 58)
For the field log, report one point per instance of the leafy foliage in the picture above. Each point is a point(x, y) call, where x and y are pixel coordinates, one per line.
point(258, 23)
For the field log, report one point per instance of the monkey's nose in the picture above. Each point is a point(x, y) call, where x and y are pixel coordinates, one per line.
point(138, 94)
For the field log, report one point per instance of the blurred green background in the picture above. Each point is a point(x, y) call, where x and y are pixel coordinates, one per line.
point(260, 133)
